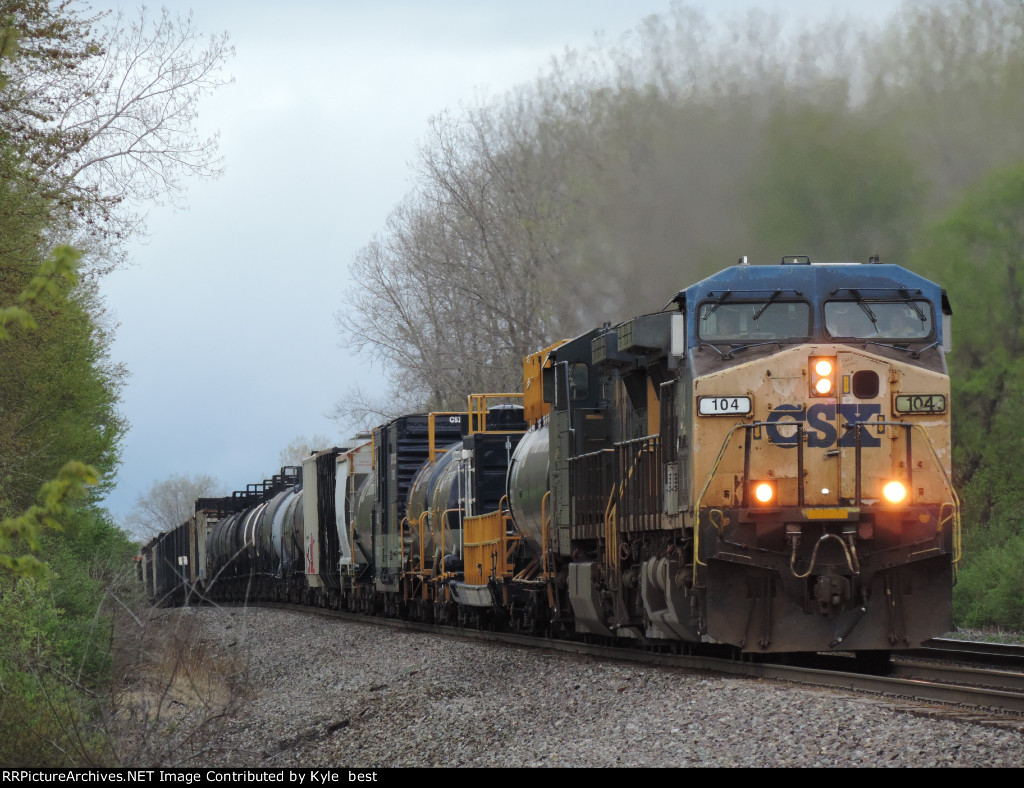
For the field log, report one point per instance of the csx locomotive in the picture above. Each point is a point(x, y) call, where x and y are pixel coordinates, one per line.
point(764, 463)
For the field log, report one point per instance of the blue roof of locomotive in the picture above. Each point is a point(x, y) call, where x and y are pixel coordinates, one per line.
point(816, 281)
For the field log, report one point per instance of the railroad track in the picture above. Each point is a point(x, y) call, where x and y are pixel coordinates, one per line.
point(964, 693)
point(988, 654)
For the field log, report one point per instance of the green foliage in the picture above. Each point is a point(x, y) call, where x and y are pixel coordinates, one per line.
point(30, 734)
point(43, 288)
point(55, 496)
point(57, 399)
point(990, 592)
point(978, 253)
point(8, 44)
point(58, 396)
point(55, 636)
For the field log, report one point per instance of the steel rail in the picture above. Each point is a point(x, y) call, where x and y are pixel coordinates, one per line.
point(1003, 654)
point(996, 679)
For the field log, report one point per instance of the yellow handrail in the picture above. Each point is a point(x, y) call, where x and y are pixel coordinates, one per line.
point(477, 407)
point(432, 450)
point(611, 547)
point(957, 524)
point(696, 505)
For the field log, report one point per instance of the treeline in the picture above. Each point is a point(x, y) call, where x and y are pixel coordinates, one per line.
point(629, 170)
point(96, 116)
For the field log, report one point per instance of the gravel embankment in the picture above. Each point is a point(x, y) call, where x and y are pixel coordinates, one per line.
point(272, 688)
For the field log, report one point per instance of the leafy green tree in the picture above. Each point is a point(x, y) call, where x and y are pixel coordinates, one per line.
point(51, 663)
point(978, 254)
point(60, 392)
point(56, 275)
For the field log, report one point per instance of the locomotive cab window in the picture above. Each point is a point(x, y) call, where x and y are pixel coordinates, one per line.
point(579, 381)
point(892, 320)
point(573, 378)
point(755, 321)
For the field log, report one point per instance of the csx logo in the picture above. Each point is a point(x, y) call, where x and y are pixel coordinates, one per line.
point(822, 425)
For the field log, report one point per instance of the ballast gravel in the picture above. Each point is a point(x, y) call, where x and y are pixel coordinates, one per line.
point(269, 688)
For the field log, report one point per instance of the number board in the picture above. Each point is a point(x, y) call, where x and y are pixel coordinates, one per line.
point(920, 403)
point(724, 406)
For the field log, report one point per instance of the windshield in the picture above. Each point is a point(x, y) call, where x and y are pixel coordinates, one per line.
point(761, 321)
point(908, 319)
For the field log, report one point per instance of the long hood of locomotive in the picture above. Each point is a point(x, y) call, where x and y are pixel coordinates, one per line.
point(783, 411)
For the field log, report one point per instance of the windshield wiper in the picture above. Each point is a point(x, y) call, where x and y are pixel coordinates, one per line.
point(913, 353)
point(747, 347)
point(701, 345)
point(718, 303)
point(766, 304)
point(915, 307)
point(866, 308)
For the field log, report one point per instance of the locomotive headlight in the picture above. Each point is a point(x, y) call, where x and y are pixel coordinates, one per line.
point(764, 492)
point(823, 377)
point(894, 492)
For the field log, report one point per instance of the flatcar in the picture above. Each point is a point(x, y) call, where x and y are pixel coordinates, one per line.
point(764, 464)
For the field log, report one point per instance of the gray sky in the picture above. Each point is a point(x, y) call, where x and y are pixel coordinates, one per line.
point(226, 313)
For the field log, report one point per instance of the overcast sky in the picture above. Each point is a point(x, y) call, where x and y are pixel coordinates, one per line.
point(226, 313)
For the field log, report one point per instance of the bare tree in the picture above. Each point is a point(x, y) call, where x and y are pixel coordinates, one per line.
point(462, 283)
point(301, 447)
point(359, 411)
point(169, 503)
point(107, 119)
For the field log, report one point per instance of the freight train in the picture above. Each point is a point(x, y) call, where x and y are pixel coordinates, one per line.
point(765, 463)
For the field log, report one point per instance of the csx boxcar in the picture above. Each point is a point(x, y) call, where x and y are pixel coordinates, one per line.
point(765, 463)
